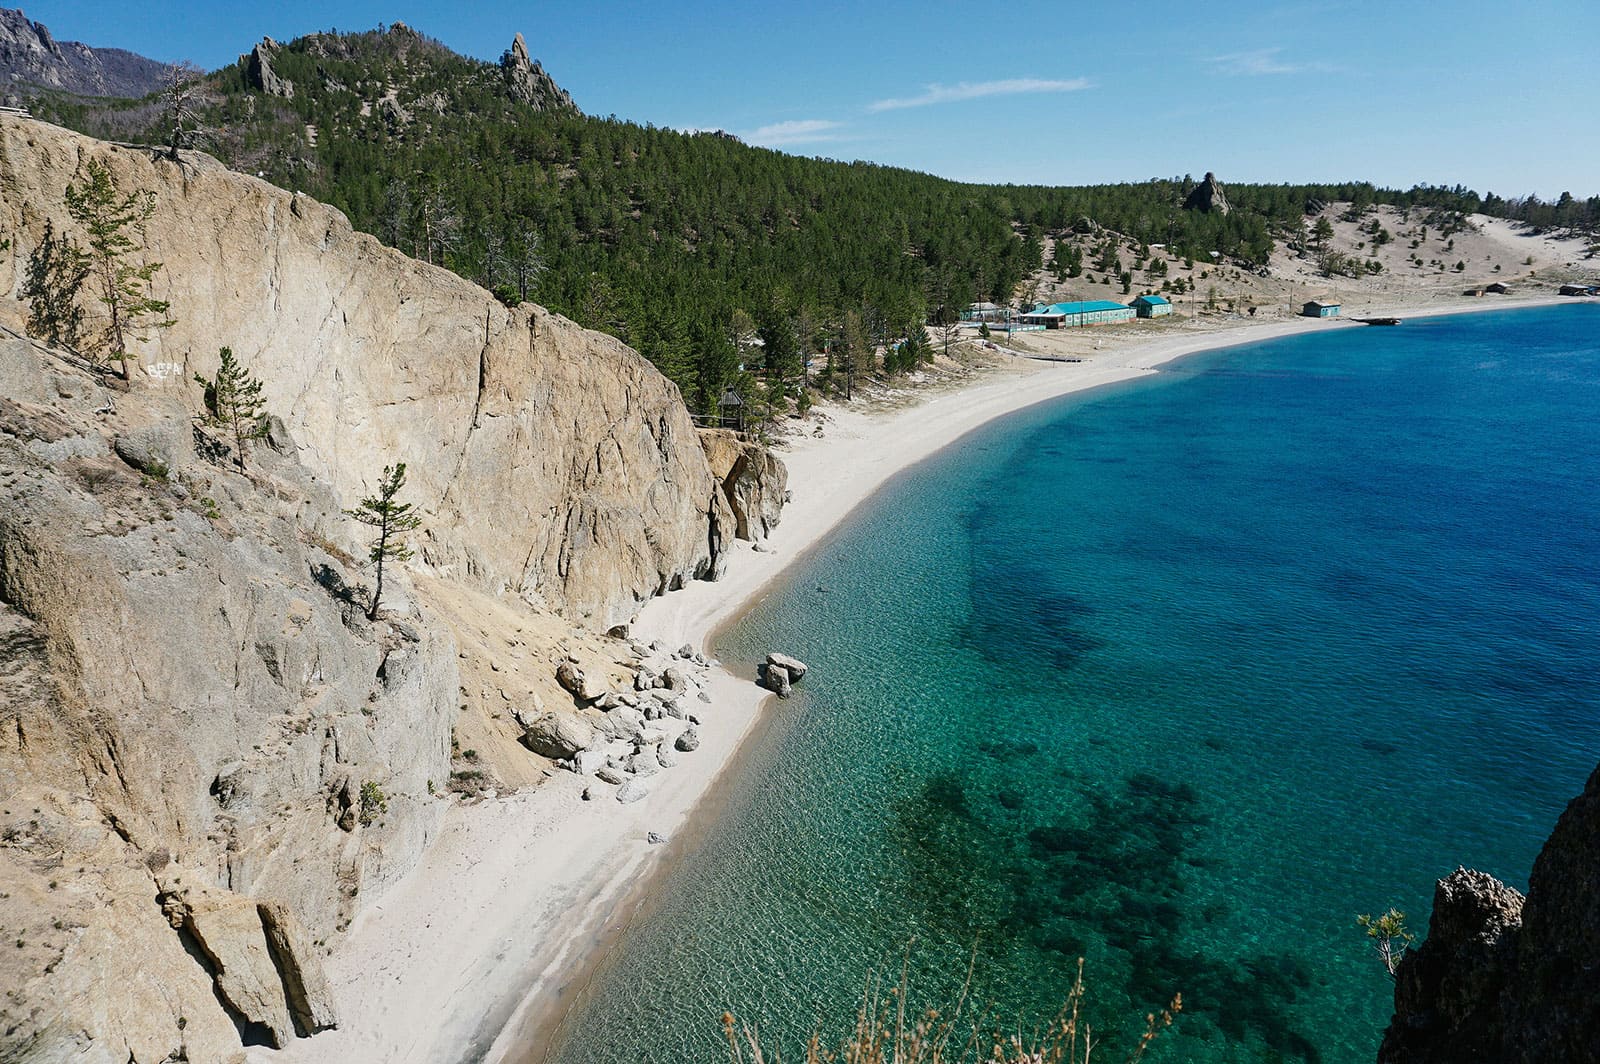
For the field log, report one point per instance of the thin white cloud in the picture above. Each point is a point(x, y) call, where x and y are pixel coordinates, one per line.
point(1261, 62)
point(798, 131)
point(976, 90)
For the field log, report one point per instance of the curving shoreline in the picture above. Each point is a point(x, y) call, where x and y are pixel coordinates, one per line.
point(485, 945)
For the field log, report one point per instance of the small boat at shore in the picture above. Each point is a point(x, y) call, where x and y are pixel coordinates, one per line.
point(1379, 321)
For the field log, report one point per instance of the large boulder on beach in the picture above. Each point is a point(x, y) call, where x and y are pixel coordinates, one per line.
point(632, 791)
point(793, 666)
point(558, 736)
point(776, 680)
point(688, 740)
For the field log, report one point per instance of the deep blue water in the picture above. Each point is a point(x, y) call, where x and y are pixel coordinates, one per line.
point(1178, 677)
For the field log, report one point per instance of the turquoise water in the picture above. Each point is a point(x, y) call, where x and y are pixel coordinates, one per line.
point(1178, 677)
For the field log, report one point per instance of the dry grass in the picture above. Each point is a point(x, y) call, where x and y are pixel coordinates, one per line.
point(887, 1032)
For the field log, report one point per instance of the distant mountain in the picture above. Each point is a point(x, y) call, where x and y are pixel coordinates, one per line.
point(31, 60)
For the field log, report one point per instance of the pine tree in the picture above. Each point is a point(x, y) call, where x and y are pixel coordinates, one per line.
point(234, 404)
point(57, 270)
point(392, 520)
point(115, 223)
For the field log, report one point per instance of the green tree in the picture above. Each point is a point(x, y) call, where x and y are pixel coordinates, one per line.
point(57, 270)
point(1389, 937)
point(852, 349)
point(392, 519)
point(115, 223)
point(233, 403)
point(1322, 232)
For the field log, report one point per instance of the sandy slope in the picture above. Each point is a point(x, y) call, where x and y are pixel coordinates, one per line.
point(482, 943)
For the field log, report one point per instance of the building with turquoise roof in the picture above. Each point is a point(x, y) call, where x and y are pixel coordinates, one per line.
point(1070, 315)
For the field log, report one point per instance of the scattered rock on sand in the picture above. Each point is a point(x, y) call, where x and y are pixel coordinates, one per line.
point(674, 679)
point(664, 756)
point(632, 791)
point(655, 838)
point(588, 762)
point(704, 697)
point(581, 687)
point(689, 741)
point(557, 736)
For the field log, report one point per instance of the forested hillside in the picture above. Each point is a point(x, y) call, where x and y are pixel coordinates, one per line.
point(686, 246)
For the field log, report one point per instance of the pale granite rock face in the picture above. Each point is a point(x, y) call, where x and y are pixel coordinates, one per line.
point(187, 694)
point(548, 460)
point(753, 481)
point(209, 757)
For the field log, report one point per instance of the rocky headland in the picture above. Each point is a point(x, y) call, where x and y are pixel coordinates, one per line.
point(1503, 977)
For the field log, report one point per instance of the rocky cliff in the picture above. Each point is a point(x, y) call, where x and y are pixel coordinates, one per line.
point(207, 753)
point(753, 481)
point(552, 462)
point(210, 759)
point(32, 60)
point(1507, 978)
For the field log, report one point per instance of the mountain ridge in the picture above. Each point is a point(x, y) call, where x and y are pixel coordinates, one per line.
point(32, 60)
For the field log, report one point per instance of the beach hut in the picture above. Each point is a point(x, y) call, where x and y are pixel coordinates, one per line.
point(1498, 288)
point(1579, 289)
point(1071, 315)
point(1151, 306)
point(1318, 309)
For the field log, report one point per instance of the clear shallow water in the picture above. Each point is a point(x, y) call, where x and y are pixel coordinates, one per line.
point(1178, 677)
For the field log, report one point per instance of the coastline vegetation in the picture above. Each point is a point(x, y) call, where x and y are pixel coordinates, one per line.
point(670, 240)
point(887, 1030)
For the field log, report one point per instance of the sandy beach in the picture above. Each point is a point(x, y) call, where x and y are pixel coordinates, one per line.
point(486, 941)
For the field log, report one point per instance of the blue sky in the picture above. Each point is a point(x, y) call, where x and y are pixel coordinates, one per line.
point(1496, 96)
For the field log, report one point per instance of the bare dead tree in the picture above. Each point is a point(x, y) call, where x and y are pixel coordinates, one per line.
point(182, 92)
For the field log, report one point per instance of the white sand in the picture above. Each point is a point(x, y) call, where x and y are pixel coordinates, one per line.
point(487, 935)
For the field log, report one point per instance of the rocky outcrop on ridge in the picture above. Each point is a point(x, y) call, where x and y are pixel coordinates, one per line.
point(527, 81)
point(1507, 978)
point(32, 60)
point(1207, 196)
point(258, 72)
